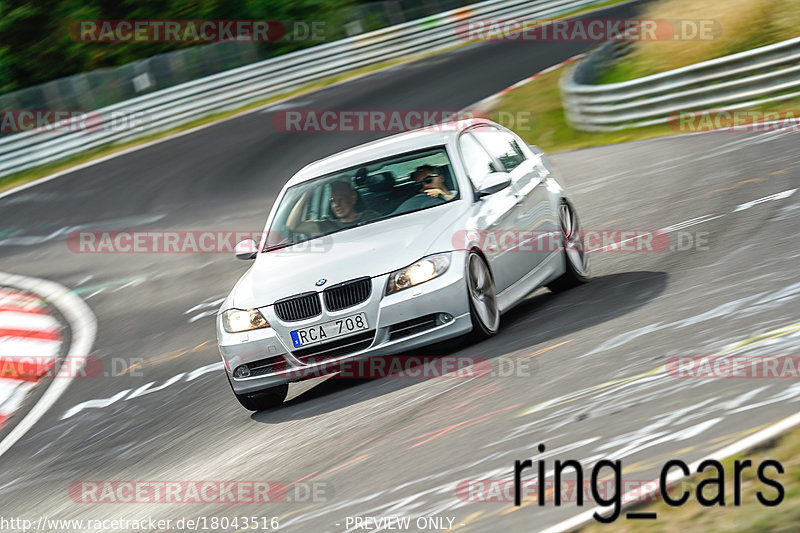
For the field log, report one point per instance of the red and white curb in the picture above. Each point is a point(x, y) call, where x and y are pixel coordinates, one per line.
point(490, 101)
point(30, 342)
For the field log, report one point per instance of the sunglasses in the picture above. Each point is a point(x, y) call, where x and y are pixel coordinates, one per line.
point(427, 179)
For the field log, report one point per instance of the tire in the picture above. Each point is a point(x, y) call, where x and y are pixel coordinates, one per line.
point(576, 257)
point(483, 310)
point(264, 399)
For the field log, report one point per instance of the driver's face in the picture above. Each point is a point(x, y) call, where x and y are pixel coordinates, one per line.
point(426, 180)
point(342, 203)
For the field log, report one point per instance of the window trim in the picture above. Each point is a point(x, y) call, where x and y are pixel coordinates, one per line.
point(494, 160)
point(513, 137)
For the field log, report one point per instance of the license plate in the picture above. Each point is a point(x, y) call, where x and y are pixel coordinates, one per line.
point(329, 330)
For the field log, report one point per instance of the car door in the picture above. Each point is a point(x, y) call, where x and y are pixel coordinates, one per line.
point(493, 215)
point(533, 221)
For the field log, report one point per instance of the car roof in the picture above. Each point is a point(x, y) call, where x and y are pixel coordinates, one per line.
point(408, 141)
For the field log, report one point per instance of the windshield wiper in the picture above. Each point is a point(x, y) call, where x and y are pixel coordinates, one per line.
point(284, 244)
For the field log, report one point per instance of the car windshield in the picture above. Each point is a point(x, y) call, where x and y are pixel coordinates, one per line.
point(361, 195)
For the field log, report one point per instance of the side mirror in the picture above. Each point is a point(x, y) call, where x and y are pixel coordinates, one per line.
point(494, 182)
point(246, 249)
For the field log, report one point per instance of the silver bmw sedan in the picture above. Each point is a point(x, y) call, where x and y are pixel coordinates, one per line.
point(399, 243)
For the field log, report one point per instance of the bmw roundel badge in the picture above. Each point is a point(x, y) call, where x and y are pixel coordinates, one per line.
point(321, 282)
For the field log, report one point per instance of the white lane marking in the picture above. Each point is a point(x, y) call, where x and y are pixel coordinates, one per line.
point(788, 394)
point(728, 309)
point(12, 347)
point(642, 493)
point(668, 229)
point(83, 331)
point(131, 283)
point(205, 305)
point(95, 293)
point(657, 438)
point(690, 222)
point(204, 314)
point(27, 321)
point(670, 164)
point(698, 220)
point(286, 105)
point(100, 403)
point(84, 280)
point(777, 196)
point(147, 388)
point(97, 403)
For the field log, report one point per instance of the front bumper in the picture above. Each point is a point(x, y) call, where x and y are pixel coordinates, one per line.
point(440, 297)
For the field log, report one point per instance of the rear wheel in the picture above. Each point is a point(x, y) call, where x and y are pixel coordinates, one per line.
point(576, 256)
point(263, 399)
point(483, 308)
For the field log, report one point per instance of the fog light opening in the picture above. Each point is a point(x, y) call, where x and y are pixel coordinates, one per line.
point(443, 318)
point(241, 372)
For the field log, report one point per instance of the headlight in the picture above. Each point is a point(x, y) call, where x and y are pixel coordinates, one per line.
point(423, 270)
point(237, 320)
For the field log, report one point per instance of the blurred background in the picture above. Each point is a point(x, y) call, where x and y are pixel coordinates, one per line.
point(42, 67)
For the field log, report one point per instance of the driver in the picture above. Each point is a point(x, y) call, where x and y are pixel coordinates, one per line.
point(431, 183)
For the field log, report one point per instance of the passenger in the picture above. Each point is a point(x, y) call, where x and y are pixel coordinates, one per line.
point(343, 206)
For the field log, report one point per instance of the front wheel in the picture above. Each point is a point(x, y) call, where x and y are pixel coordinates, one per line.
point(576, 255)
point(483, 308)
point(264, 399)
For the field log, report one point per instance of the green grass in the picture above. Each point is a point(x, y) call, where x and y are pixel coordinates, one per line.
point(749, 517)
point(739, 25)
point(548, 127)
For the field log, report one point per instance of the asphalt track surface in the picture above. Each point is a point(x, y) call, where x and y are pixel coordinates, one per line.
point(387, 447)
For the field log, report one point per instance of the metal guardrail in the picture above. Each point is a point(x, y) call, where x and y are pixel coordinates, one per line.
point(751, 78)
point(168, 108)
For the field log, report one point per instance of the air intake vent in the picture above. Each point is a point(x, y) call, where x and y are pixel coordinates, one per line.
point(412, 327)
point(298, 307)
point(267, 366)
point(347, 294)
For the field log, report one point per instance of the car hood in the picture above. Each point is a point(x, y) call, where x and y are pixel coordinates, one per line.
point(370, 250)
